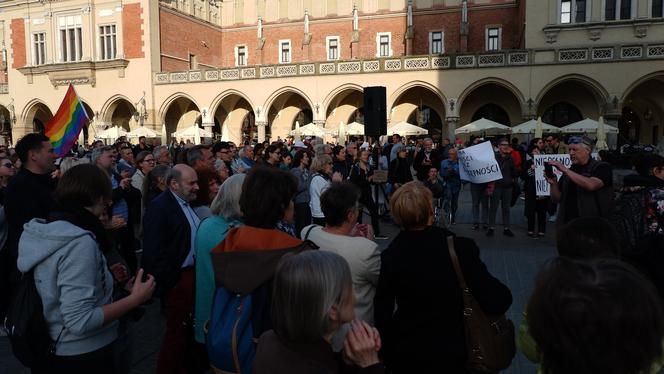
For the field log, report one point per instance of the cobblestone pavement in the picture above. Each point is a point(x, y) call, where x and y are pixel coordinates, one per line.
point(515, 261)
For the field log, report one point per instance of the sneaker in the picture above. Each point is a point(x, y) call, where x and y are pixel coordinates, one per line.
point(476, 227)
point(508, 232)
point(553, 218)
point(381, 237)
point(489, 232)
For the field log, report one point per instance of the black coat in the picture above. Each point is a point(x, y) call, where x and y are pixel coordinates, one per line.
point(422, 169)
point(166, 241)
point(399, 171)
point(417, 276)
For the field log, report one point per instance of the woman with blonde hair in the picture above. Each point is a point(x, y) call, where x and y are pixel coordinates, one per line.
point(417, 275)
point(322, 175)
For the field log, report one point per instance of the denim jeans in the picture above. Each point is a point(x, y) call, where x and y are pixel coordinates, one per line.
point(479, 196)
point(502, 195)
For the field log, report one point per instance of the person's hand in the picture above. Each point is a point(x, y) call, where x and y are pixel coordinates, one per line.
point(370, 178)
point(124, 174)
point(125, 183)
point(551, 181)
point(142, 291)
point(56, 174)
point(559, 165)
point(364, 230)
point(337, 177)
point(116, 222)
point(120, 272)
point(360, 345)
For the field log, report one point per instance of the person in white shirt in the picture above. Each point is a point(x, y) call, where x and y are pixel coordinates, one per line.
point(322, 174)
point(352, 241)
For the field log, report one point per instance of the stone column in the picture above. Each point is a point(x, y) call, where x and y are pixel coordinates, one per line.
point(207, 121)
point(452, 123)
point(261, 130)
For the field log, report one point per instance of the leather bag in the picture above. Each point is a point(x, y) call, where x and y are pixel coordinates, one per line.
point(490, 342)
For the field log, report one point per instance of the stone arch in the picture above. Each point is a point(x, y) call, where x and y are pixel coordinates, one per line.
point(415, 104)
point(341, 105)
point(118, 111)
point(234, 111)
point(36, 114)
point(5, 125)
point(484, 92)
point(283, 108)
point(585, 94)
point(179, 112)
point(642, 118)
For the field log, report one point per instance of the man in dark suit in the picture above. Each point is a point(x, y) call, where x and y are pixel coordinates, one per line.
point(425, 159)
point(169, 230)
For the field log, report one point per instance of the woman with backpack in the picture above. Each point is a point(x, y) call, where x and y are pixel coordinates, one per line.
point(66, 255)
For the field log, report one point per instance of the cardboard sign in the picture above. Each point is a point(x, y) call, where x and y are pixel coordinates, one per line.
point(478, 164)
point(380, 176)
point(542, 187)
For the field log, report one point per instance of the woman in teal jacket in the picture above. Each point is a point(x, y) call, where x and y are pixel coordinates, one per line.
point(226, 214)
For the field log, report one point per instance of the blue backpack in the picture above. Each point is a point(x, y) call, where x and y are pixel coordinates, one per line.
point(231, 322)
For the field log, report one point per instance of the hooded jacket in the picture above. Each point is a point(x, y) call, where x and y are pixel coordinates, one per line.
point(73, 281)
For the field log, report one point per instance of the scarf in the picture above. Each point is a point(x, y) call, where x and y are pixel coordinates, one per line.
point(83, 218)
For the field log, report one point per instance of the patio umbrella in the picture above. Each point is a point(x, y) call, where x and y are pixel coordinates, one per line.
point(112, 133)
point(296, 132)
point(164, 135)
point(485, 127)
point(587, 126)
point(342, 134)
point(225, 133)
point(601, 135)
point(531, 127)
point(311, 129)
point(406, 129)
point(538, 128)
point(81, 138)
point(355, 129)
point(143, 131)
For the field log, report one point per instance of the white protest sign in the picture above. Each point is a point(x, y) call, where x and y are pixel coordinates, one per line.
point(478, 164)
point(541, 185)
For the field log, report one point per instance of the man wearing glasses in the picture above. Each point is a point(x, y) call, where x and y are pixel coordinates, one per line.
point(586, 188)
point(223, 153)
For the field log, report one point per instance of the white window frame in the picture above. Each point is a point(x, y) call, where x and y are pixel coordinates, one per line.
point(500, 38)
point(389, 43)
point(327, 47)
point(290, 51)
point(560, 11)
point(65, 54)
point(37, 57)
point(442, 42)
point(102, 43)
point(573, 11)
point(237, 55)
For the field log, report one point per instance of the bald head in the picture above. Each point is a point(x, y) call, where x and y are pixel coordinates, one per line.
point(183, 181)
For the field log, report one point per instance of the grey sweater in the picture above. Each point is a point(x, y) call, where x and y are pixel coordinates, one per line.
point(73, 281)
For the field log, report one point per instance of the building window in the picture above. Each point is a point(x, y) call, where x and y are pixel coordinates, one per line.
point(39, 44)
point(658, 8)
point(241, 55)
point(332, 47)
point(493, 35)
point(384, 44)
point(580, 11)
point(566, 11)
point(71, 38)
point(436, 43)
point(617, 9)
point(285, 51)
point(107, 42)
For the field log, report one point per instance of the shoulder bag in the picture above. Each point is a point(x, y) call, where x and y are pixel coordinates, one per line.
point(490, 342)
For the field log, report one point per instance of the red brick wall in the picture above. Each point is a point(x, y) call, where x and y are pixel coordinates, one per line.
point(132, 21)
point(182, 36)
point(18, 43)
point(507, 18)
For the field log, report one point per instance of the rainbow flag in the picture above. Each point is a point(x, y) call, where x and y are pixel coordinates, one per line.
point(68, 122)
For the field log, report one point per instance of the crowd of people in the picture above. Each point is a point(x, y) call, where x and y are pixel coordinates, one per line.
point(269, 240)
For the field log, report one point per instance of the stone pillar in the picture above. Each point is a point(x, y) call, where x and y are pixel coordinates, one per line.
point(452, 123)
point(207, 121)
point(261, 131)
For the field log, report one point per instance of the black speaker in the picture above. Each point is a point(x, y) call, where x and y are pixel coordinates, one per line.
point(375, 111)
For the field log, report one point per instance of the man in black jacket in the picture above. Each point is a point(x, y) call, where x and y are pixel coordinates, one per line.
point(502, 193)
point(169, 231)
point(29, 195)
point(425, 159)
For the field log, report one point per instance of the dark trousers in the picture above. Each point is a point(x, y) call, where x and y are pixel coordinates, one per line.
point(368, 203)
point(175, 356)
point(302, 217)
point(541, 207)
point(453, 199)
point(478, 194)
point(97, 362)
point(502, 196)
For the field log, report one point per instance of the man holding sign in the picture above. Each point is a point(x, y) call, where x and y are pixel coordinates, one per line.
point(586, 188)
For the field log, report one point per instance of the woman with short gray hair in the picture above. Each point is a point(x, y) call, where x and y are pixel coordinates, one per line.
point(312, 298)
point(226, 214)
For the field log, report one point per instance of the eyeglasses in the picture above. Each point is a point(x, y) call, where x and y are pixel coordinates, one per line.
point(8, 165)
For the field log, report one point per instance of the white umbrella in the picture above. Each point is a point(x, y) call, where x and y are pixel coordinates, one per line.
point(355, 129)
point(406, 129)
point(143, 131)
point(164, 135)
point(601, 135)
point(483, 126)
point(587, 126)
point(531, 127)
point(225, 133)
point(193, 132)
point(112, 133)
point(311, 130)
point(342, 134)
point(81, 138)
point(296, 132)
